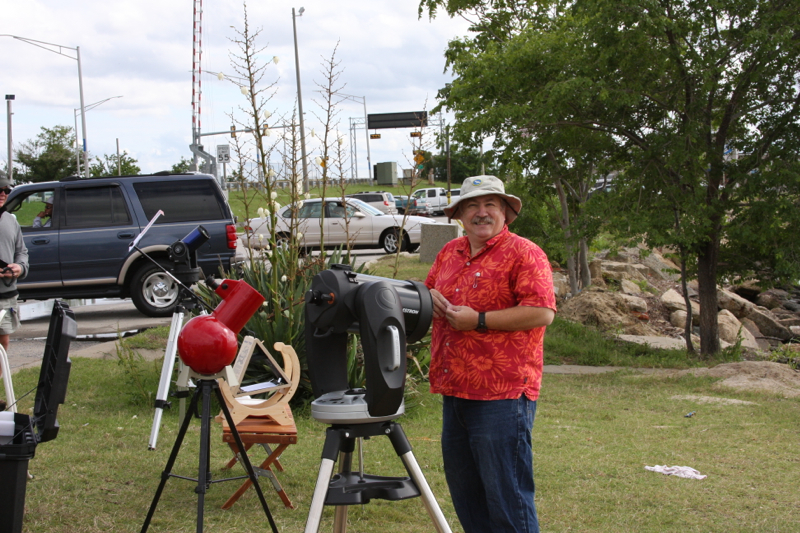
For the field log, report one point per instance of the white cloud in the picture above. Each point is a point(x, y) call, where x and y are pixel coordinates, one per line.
point(143, 50)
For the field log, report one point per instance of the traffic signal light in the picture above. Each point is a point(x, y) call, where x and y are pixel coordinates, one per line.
point(233, 132)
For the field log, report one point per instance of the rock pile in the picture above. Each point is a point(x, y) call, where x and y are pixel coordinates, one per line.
point(635, 292)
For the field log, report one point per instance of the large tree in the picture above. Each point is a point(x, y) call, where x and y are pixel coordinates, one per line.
point(700, 97)
point(48, 157)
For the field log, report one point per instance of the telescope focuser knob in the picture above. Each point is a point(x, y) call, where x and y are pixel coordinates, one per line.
point(319, 298)
point(212, 283)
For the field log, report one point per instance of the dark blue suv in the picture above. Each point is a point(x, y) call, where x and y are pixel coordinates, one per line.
point(81, 251)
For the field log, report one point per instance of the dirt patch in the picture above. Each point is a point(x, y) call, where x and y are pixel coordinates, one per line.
point(761, 376)
point(711, 399)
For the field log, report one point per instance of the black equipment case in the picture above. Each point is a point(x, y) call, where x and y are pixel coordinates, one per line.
point(43, 425)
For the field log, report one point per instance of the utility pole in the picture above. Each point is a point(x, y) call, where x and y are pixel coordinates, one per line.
point(9, 98)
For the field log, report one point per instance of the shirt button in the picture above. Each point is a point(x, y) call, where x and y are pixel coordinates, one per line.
point(457, 290)
point(468, 263)
point(445, 371)
point(447, 344)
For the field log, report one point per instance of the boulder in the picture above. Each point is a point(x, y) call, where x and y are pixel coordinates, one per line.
point(607, 311)
point(629, 287)
point(678, 319)
point(730, 329)
point(795, 330)
point(792, 305)
point(620, 271)
point(660, 267)
point(560, 285)
point(634, 303)
point(734, 303)
point(674, 301)
point(789, 322)
point(768, 325)
point(748, 290)
point(771, 299)
point(596, 269)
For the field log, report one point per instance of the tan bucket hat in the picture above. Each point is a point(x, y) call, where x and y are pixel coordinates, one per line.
point(481, 186)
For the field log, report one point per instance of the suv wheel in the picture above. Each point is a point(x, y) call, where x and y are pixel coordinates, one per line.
point(390, 241)
point(153, 292)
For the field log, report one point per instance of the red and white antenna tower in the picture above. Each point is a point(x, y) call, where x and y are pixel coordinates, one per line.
point(197, 92)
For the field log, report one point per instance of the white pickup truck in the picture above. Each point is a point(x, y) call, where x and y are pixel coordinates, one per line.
point(431, 201)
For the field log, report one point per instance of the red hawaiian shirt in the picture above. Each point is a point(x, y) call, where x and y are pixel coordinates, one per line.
point(492, 365)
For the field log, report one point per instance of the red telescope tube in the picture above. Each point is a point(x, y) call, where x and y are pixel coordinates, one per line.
point(207, 343)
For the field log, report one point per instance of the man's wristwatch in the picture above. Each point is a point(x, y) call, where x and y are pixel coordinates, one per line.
point(481, 322)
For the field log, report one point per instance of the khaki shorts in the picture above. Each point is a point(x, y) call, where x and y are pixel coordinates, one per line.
point(10, 321)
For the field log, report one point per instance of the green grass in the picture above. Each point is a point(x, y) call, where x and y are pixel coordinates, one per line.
point(593, 436)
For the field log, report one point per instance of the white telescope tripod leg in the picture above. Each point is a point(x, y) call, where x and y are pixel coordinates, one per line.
point(5, 368)
point(320, 492)
point(426, 494)
point(166, 375)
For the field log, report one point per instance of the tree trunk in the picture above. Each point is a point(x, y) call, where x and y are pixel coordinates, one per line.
point(687, 328)
point(568, 248)
point(707, 287)
point(586, 276)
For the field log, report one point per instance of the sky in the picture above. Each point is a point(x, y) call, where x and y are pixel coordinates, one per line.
point(139, 54)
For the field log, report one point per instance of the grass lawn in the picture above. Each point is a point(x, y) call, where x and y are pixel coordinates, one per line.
point(592, 438)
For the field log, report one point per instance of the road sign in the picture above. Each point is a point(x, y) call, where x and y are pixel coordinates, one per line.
point(374, 135)
point(419, 158)
point(223, 153)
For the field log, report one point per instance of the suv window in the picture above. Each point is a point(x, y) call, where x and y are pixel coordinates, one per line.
point(181, 201)
point(369, 197)
point(95, 207)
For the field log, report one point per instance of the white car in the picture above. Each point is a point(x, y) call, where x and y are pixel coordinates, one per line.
point(368, 227)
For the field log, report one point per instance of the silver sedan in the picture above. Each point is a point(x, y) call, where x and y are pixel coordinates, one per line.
point(350, 220)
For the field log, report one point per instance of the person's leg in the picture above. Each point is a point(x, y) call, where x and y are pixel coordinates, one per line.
point(461, 471)
point(500, 439)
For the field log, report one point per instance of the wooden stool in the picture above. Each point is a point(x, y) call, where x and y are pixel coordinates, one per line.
point(262, 422)
point(263, 431)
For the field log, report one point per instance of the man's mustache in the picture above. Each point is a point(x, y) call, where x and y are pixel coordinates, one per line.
point(482, 220)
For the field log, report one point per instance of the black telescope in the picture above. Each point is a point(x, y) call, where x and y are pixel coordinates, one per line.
point(183, 254)
point(387, 314)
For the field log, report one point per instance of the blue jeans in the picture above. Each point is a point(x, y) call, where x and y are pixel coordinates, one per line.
point(488, 463)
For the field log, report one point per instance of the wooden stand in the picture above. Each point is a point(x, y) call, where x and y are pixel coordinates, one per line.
point(263, 422)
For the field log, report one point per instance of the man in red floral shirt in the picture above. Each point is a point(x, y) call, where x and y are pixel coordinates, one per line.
point(493, 297)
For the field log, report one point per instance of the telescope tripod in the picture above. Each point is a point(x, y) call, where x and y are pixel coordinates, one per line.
point(186, 302)
point(204, 390)
point(349, 488)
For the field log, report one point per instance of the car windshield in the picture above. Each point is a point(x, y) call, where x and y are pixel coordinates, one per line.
point(364, 207)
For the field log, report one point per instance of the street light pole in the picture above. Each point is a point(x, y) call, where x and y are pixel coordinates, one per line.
point(300, 100)
point(10, 173)
point(59, 47)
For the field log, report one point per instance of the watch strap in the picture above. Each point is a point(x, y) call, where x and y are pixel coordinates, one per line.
point(481, 322)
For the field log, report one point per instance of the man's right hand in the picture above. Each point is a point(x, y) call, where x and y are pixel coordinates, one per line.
point(440, 304)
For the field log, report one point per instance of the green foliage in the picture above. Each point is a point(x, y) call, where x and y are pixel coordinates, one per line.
point(183, 166)
point(141, 376)
point(48, 157)
point(695, 105)
point(108, 166)
point(465, 161)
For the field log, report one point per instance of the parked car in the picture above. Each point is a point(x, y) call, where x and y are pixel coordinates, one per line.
point(368, 227)
point(381, 200)
point(403, 202)
point(431, 200)
point(84, 250)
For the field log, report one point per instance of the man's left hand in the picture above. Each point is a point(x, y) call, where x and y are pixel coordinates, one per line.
point(461, 317)
point(12, 271)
